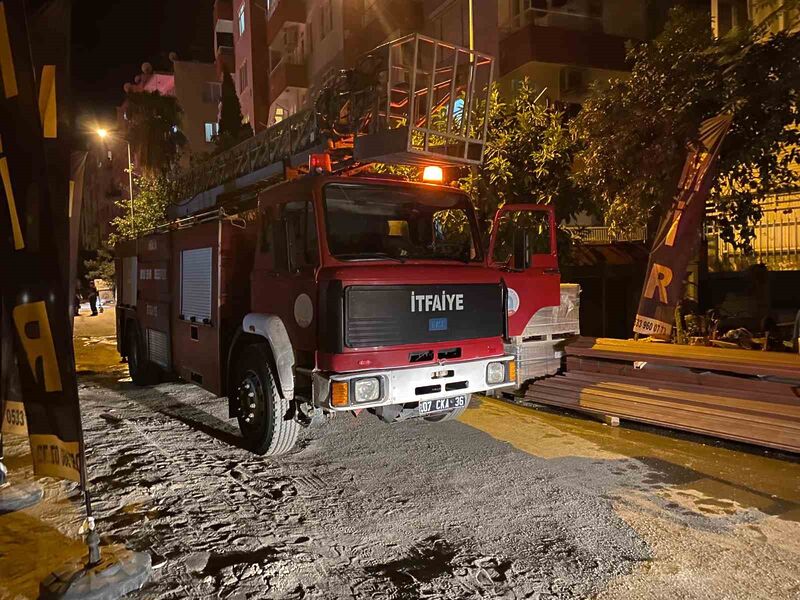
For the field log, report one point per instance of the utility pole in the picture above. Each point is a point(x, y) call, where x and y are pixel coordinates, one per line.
point(471, 27)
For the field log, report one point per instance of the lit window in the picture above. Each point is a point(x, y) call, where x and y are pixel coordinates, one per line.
point(212, 129)
point(241, 19)
point(280, 114)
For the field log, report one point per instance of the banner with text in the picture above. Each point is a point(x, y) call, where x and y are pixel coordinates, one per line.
point(679, 235)
point(34, 231)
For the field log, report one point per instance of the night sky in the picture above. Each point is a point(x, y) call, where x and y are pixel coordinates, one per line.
point(112, 38)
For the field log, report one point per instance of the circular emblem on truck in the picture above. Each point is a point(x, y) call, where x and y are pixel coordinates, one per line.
point(513, 302)
point(303, 310)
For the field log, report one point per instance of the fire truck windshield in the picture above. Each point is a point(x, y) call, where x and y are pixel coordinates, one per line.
point(380, 222)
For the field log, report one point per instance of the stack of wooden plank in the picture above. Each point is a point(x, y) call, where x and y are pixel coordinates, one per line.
point(742, 395)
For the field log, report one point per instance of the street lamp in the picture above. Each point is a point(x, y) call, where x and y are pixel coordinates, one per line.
point(103, 134)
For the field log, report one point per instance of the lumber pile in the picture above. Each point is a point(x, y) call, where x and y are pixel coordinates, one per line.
point(741, 395)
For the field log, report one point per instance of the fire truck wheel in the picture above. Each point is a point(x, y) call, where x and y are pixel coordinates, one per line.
point(262, 410)
point(142, 371)
point(449, 416)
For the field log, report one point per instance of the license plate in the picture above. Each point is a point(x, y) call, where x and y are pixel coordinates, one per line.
point(427, 407)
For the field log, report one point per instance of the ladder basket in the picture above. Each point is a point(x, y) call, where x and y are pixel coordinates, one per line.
point(428, 104)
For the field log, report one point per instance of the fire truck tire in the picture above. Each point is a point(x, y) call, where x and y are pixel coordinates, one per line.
point(449, 416)
point(262, 416)
point(142, 371)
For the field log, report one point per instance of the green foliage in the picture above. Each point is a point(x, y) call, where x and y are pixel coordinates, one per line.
point(149, 208)
point(101, 266)
point(635, 131)
point(405, 172)
point(154, 130)
point(528, 159)
point(232, 129)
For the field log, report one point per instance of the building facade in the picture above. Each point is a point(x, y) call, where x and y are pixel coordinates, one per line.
point(196, 87)
point(565, 46)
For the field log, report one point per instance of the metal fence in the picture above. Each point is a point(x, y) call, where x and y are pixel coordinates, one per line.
point(777, 238)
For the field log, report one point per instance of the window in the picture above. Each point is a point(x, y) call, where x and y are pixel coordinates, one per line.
point(301, 235)
point(243, 82)
point(310, 29)
point(241, 20)
point(380, 222)
point(212, 129)
point(728, 15)
point(196, 285)
point(212, 91)
point(520, 235)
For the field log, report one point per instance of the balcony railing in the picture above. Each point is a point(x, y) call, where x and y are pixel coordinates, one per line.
point(604, 235)
point(294, 56)
point(776, 242)
point(549, 17)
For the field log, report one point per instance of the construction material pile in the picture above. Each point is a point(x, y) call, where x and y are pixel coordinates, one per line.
point(741, 395)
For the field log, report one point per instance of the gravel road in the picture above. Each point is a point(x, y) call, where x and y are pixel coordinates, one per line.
point(509, 502)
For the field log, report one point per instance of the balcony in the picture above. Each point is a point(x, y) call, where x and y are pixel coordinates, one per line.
point(566, 38)
point(290, 72)
point(282, 12)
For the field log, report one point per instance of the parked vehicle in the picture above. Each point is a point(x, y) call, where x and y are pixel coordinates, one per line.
point(337, 292)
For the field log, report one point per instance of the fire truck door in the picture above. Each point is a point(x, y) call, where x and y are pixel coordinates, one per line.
point(284, 277)
point(523, 248)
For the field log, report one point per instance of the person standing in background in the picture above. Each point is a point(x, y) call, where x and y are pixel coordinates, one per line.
point(93, 297)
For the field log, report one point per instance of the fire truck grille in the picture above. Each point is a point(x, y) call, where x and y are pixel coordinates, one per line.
point(396, 315)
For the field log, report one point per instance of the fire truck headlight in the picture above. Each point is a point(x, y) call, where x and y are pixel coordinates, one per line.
point(367, 390)
point(495, 373)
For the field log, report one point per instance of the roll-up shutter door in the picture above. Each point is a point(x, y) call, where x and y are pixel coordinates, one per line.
point(130, 279)
point(196, 284)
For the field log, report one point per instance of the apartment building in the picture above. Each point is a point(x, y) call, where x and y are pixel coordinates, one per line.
point(309, 40)
point(196, 87)
point(105, 182)
point(565, 45)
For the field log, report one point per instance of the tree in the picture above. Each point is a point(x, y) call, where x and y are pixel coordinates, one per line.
point(528, 158)
point(154, 130)
point(149, 208)
point(232, 128)
point(634, 132)
point(101, 266)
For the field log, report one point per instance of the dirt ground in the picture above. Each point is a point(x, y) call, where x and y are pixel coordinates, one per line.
point(509, 502)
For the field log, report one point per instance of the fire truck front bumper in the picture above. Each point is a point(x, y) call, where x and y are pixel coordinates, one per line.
point(370, 389)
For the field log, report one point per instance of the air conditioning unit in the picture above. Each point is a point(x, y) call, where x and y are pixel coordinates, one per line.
point(572, 81)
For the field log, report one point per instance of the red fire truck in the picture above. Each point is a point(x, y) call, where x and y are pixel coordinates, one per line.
point(309, 294)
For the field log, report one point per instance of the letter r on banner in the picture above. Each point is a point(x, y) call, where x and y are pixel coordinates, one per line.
point(660, 277)
point(39, 346)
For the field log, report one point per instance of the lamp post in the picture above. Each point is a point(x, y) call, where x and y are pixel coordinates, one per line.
point(103, 134)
